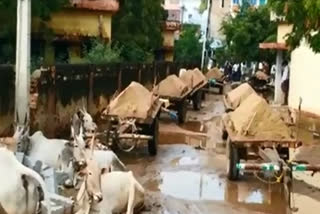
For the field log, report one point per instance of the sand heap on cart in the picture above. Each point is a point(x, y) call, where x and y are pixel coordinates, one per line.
point(133, 102)
point(255, 118)
point(214, 73)
point(235, 97)
point(193, 78)
point(171, 86)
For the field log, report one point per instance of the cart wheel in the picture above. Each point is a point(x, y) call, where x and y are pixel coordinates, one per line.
point(221, 89)
point(233, 160)
point(153, 144)
point(182, 111)
point(196, 100)
point(203, 96)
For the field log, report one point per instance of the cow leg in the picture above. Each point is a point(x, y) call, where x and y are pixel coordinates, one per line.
point(131, 198)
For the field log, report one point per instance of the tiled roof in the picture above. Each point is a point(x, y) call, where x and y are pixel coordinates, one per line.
point(273, 46)
point(102, 5)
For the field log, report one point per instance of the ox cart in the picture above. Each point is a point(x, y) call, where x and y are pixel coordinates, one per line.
point(126, 133)
point(196, 94)
point(251, 148)
point(178, 104)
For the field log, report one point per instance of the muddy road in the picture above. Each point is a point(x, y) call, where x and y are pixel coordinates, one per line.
point(188, 175)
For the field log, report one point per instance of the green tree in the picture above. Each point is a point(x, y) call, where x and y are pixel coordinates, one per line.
point(102, 53)
point(137, 28)
point(245, 31)
point(188, 48)
point(8, 8)
point(305, 17)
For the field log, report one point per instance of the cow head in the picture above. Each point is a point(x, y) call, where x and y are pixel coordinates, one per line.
point(88, 169)
point(91, 176)
point(79, 149)
point(89, 126)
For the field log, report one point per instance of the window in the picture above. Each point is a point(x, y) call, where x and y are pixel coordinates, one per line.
point(222, 3)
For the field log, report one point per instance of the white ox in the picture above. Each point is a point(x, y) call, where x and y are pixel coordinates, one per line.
point(121, 192)
point(59, 154)
point(56, 153)
point(83, 118)
point(104, 158)
point(17, 194)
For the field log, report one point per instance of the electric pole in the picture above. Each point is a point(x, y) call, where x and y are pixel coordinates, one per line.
point(206, 35)
point(23, 61)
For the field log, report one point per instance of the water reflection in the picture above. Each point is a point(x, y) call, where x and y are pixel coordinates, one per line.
point(193, 186)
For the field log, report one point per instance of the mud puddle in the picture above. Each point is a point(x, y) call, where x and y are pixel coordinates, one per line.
point(201, 187)
point(192, 186)
point(190, 133)
point(185, 161)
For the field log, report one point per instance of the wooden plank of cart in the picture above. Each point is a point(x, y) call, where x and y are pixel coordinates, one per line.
point(179, 104)
point(246, 149)
point(147, 130)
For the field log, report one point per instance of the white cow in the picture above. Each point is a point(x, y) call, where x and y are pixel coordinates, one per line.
point(14, 192)
point(104, 158)
point(56, 153)
point(121, 192)
point(87, 122)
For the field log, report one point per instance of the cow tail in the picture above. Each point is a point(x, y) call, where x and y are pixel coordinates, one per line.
point(34, 175)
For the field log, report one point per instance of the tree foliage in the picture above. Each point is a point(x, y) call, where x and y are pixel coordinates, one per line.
point(305, 17)
point(8, 13)
point(188, 48)
point(245, 31)
point(137, 28)
point(102, 53)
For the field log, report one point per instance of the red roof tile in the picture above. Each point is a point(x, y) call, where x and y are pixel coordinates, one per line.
point(273, 46)
point(102, 5)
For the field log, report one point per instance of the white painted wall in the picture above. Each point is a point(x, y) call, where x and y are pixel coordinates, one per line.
point(305, 79)
point(191, 13)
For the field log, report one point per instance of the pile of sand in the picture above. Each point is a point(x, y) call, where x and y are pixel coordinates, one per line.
point(171, 86)
point(239, 94)
point(255, 118)
point(193, 78)
point(214, 73)
point(135, 101)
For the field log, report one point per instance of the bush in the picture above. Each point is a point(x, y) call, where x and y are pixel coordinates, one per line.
point(102, 53)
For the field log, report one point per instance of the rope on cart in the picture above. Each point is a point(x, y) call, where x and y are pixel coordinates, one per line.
point(278, 178)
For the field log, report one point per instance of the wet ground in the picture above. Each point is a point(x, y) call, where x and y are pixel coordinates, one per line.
point(188, 176)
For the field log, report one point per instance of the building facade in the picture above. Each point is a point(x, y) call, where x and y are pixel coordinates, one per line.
point(171, 28)
point(223, 8)
point(191, 14)
point(76, 23)
point(304, 72)
point(219, 10)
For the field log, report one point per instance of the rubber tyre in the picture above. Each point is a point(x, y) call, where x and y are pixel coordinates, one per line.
point(153, 144)
point(233, 160)
point(196, 101)
point(182, 112)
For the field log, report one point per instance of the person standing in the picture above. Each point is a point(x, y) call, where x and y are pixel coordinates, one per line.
point(285, 81)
